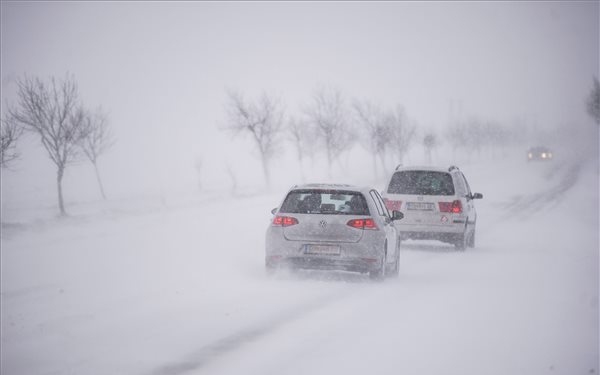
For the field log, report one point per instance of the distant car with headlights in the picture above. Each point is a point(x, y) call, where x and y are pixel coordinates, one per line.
point(437, 204)
point(333, 227)
point(539, 153)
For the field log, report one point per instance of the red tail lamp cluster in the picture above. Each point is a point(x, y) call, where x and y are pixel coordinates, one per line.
point(392, 205)
point(284, 221)
point(362, 224)
point(453, 207)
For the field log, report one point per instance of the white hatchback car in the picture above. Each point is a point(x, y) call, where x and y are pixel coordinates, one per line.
point(437, 204)
point(333, 227)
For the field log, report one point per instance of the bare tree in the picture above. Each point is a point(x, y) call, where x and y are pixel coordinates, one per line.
point(198, 164)
point(371, 120)
point(593, 101)
point(10, 132)
point(233, 179)
point(475, 135)
point(299, 134)
point(429, 143)
point(402, 132)
point(98, 138)
point(51, 110)
point(263, 120)
point(327, 114)
point(458, 135)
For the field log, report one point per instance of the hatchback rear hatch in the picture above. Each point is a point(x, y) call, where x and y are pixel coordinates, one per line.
point(322, 228)
point(323, 215)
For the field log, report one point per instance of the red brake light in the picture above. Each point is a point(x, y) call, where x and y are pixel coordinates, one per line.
point(362, 224)
point(454, 207)
point(284, 221)
point(392, 205)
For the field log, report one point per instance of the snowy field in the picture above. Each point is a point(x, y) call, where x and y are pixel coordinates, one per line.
point(177, 286)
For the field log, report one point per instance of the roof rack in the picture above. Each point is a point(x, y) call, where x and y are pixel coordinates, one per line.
point(453, 167)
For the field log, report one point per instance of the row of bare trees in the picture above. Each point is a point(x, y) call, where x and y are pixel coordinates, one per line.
point(330, 122)
point(68, 130)
point(474, 135)
point(327, 120)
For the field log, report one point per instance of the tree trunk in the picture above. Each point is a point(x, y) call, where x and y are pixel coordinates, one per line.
point(383, 165)
point(99, 181)
point(300, 158)
point(265, 165)
point(374, 159)
point(61, 204)
point(329, 161)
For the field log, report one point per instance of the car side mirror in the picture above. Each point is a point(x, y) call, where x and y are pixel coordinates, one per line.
point(397, 215)
point(477, 196)
point(274, 211)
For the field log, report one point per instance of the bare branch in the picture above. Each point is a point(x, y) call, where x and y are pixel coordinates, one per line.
point(402, 132)
point(593, 101)
point(10, 132)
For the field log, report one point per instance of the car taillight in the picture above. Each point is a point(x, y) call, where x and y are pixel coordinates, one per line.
point(454, 207)
point(392, 205)
point(284, 221)
point(362, 224)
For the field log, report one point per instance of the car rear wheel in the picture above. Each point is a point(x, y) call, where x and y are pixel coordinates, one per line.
point(379, 273)
point(471, 242)
point(461, 241)
point(396, 269)
point(270, 269)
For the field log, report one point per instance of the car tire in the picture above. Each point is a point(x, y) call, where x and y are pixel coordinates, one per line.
point(396, 269)
point(461, 241)
point(379, 273)
point(270, 270)
point(471, 242)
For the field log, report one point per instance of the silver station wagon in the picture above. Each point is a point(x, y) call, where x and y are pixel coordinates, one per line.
point(334, 227)
point(437, 203)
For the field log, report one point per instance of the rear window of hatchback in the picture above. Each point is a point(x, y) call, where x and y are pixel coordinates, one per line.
point(325, 202)
point(421, 183)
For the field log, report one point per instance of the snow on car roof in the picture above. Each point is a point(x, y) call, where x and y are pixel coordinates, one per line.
point(422, 168)
point(329, 186)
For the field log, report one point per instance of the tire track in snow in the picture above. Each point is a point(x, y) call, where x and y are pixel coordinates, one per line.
point(237, 340)
point(527, 205)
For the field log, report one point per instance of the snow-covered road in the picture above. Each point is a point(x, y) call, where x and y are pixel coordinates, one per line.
point(180, 289)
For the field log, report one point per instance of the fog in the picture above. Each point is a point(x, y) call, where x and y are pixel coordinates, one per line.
point(161, 71)
point(166, 276)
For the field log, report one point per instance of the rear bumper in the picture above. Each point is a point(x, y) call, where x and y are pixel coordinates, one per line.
point(363, 256)
point(457, 226)
point(448, 237)
point(449, 233)
point(362, 265)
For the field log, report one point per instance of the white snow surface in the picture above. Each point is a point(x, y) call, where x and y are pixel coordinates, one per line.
point(177, 286)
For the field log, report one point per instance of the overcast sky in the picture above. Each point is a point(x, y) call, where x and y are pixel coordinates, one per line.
point(161, 69)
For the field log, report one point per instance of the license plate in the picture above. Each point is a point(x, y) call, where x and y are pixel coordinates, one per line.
point(420, 206)
point(323, 249)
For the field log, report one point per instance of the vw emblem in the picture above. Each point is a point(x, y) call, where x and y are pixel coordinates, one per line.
point(322, 224)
